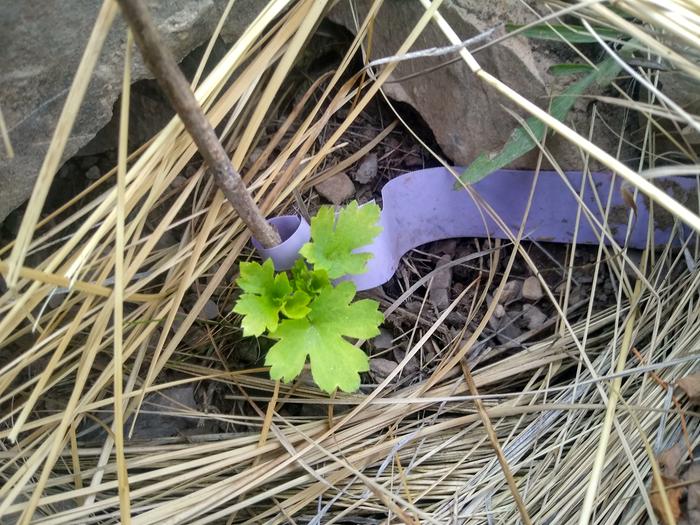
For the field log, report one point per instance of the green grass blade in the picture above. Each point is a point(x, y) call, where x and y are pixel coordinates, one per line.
point(560, 70)
point(521, 142)
point(574, 34)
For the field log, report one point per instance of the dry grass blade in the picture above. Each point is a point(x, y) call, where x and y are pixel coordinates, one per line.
point(119, 284)
point(10, 152)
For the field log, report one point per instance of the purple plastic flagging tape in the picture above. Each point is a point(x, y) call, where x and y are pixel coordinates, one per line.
point(424, 206)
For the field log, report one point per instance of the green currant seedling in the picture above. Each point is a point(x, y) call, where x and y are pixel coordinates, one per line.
point(305, 312)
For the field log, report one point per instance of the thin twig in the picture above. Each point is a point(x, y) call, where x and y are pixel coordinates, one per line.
point(161, 63)
point(434, 51)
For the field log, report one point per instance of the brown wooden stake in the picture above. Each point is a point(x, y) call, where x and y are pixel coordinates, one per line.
point(162, 64)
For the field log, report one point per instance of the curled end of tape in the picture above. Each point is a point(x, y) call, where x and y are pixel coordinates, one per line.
point(295, 232)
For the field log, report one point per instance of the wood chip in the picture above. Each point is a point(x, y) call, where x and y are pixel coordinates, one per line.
point(670, 460)
point(674, 499)
point(691, 386)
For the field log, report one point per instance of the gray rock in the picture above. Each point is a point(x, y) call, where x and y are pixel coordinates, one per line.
point(314, 410)
point(367, 170)
point(380, 368)
point(507, 331)
point(209, 311)
point(42, 45)
point(466, 116)
point(93, 173)
point(446, 247)
point(511, 291)
point(411, 368)
point(534, 317)
point(159, 416)
point(532, 290)
point(338, 189)
point(683, 90)
point(440, 297)
point(384, 340)
point(499, 311)
point(494, 322)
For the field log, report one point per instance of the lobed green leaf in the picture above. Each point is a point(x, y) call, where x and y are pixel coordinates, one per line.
point(335, 362)
point(266, 295)
point(334, 239)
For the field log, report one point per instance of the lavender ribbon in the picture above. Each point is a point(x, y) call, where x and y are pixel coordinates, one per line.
point(424, 206)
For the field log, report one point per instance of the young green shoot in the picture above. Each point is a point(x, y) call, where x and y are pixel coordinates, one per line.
point(308, 314)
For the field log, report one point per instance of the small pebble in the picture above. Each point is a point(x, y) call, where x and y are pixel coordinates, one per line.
point(499, 311)
point(55, 300)
point(179, 318)
point(446, 247)
point(367, 170)
point(511, 291)
point(411, 367)
point(532, 291)
point(380, 368)
point(440, 298)
point(86, 162)
point(534, 317)
point(209, 311)
point(247, 352)
point(391, 143)
point(414, 160)
point(384, 340)
point(443, 277)
point(313, 410)
point(494, 322)
point(413, 306)
point(178, 182)
point(507, 331)
point(255, 155)
point(338, 189)
point(442, 283)
point(93, 173)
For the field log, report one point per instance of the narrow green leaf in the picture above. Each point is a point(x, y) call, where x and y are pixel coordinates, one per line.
point(570, 69)
point(574, 34)
point(520, 141)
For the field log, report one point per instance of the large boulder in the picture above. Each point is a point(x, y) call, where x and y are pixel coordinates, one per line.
point(41, 45)
point(466, 116)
